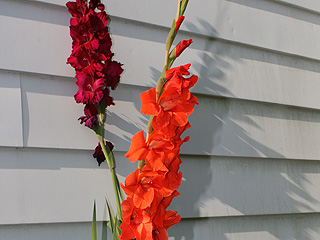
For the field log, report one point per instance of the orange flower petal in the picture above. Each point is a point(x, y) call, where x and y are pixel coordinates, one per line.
point(149, 105)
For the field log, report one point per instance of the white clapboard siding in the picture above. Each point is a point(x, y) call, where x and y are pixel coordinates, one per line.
point(233, 20)
point(254, 186)
point(55, 231)
point(302, 227)
point(310, 5)
point(51, 185)
point(251, 169)
point(50, 114)
point(224, 127)
point(224, 69)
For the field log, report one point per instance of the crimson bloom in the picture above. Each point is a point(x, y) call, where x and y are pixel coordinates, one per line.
point(91, 51)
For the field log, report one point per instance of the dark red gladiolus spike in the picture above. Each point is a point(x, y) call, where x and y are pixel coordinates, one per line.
point(91, 57)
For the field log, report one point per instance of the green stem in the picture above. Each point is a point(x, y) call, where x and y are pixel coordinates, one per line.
point(108, 155)
point(110, 160)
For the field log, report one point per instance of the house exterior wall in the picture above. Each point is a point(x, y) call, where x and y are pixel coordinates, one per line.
point(251, 169)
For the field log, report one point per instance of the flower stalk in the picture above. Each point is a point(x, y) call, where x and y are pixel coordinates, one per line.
point(151, 188)
point(96, 75)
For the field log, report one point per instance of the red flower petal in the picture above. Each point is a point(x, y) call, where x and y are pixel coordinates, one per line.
point(182, 46)
point(178, 23)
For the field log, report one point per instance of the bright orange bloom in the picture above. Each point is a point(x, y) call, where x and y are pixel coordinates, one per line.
point(163, 218)
point(136, 222)
point(155, 151)
point(174, 105)
point(139, 188)
point(160, 234)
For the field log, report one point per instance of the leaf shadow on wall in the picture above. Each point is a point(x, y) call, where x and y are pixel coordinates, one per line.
point(234, 164)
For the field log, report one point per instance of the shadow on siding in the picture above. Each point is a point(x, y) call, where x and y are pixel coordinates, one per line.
point(235, 183)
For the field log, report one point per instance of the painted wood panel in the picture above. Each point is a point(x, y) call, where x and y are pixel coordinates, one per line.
point(52, 186)
point(11, 109)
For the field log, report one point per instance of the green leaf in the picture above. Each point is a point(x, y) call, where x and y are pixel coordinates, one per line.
point(94, 223)
point(171, 35)
point(111, 216)
point(114, 223)
point(116, 232)
point(119, 188)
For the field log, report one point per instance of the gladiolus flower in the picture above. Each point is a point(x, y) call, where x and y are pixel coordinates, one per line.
point(151, 188)
point(174, 105)
point(91, 56)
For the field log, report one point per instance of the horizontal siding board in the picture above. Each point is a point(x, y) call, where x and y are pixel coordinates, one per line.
point(224, 69)
point(34, 46)
point(310, 5)
point(69, 180)
point(43, 186)
point(306, 4)
point(52, 231)
point(301, 226)
point(249, 24)
point(240, 128)
point(225, 127)
point(274, 25)
point(225, 186)
point(10, 108)
point(50, 114)
point(35, 11)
